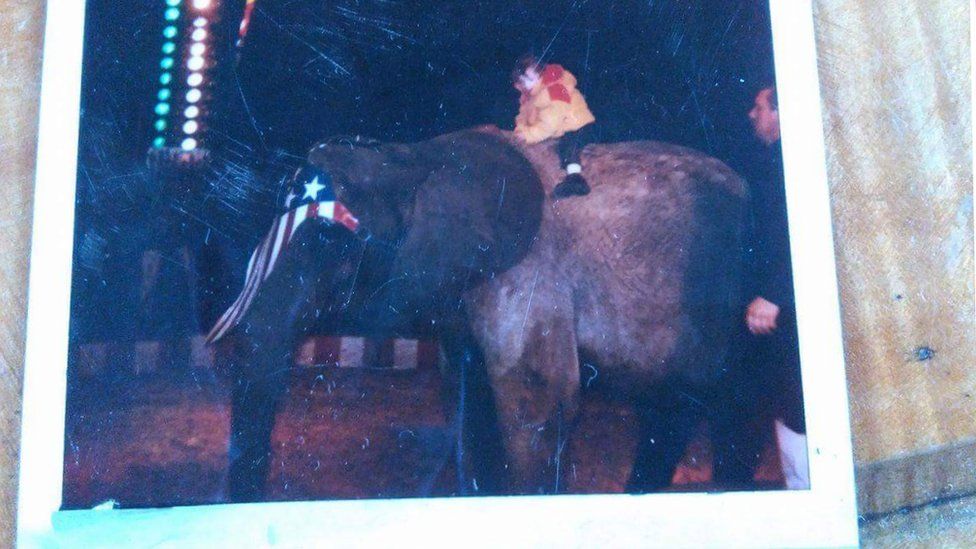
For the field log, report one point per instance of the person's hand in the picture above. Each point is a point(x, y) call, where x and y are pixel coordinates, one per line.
point(761, 316)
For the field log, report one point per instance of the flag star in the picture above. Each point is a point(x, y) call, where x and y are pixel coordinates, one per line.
point(313, 188)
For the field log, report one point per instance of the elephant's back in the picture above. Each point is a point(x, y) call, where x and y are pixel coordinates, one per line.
point(654, 256)
point(640, 162)
point(658, 257)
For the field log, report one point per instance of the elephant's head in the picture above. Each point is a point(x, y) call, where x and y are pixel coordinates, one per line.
point(444, 213)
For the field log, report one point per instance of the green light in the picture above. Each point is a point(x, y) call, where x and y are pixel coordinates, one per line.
point(165, 78)
point(172, 14)
point(166, 63)
point(160, 125)
point(169, 47)
point(163, 94)
point(173, 3)
point(159, 142)
point(169, 32)
point(162, 109)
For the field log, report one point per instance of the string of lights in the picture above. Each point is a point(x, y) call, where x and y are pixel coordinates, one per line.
point(164, 95)
point(184, 126)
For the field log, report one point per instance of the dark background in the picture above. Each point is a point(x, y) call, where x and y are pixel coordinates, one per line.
point(681, 71)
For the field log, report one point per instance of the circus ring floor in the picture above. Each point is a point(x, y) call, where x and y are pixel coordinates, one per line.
point(160, 439)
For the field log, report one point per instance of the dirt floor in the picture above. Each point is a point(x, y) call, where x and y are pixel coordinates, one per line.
point(344, 433)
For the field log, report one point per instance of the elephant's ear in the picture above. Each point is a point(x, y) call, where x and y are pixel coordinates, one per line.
point(374, 181)
point(468, 220)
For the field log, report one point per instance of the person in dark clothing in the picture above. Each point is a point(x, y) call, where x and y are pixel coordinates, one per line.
point(771, 314)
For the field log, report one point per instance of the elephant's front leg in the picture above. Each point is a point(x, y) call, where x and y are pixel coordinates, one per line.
point(531, 354)
point(479, 456)
point(282, 313)
point(537, 408)
point(260, 370)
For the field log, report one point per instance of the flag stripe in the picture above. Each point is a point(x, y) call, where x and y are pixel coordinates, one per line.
point(279, 241)
point(265, 257)
point(232, 316)
point(252, 288)
point(249, 279)
point(218, 329)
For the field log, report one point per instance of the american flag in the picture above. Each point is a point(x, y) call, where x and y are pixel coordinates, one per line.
point(310, 196)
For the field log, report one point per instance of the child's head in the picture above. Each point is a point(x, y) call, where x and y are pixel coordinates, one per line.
point(526, 74)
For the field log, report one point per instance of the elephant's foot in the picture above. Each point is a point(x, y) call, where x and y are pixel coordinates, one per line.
point(665, 430)
point(535, 426)
point(254, 404)
point(246, 477)
point(249, 459)
point(537, 457)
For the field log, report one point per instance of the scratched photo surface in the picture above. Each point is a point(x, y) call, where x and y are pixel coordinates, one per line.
point(342, 249)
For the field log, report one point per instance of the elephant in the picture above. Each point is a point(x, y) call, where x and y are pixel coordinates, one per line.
point(636, 284)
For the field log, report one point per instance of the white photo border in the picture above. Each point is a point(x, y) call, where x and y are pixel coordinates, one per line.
point(823, 516)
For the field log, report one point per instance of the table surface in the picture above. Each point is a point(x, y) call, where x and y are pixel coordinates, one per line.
point(897, 110)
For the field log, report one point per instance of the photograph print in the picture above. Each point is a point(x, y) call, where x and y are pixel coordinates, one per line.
point(375, 249)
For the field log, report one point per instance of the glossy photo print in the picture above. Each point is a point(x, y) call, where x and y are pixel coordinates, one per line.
point(396, 251)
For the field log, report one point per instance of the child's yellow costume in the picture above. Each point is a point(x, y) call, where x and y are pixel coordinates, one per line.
point(552, 107)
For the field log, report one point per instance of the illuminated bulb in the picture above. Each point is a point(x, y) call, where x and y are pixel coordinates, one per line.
point(169, 47)
point(169, 32)
point(162, 109)
point(198, 35)
point(201, 4)
point(163, 94)
point(159, 142)
point(194, 80)
point(190, 127)
point(193, 95)
point(173, 3)
point(165, 78)
point(172, 14)
point(197, 49)
point(166, 63)
point(199, 22)
point(160, 125)
point(189, 144)
point(192, 111)
point(194, 63)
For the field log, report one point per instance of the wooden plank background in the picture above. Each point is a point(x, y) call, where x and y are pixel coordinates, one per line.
point(896, 91)
point(21, 26)
point(897, 107)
